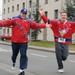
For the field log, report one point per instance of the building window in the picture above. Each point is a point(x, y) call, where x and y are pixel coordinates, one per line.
point(7, 31)
point(3, 31)
point(23, 5)
point(30, 3)
point(56, 0)
point(37, 2)
point(8, 9)
point(56, 14)
point(34, 10)
point(12, 8)
point(4, 11)
point(4, 1)
point(8, 0)
point(46, 1)
point(46, 13)
point(17, 7)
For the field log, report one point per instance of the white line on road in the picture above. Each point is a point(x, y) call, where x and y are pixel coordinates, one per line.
point(3, 50)
point(73, 61)
point(38, 55)
point(8, 69)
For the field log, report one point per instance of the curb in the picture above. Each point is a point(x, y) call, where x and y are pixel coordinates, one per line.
point(38, 48)
point(48, 49)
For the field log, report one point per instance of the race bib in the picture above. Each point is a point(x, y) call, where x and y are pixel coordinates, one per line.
point(61, 40)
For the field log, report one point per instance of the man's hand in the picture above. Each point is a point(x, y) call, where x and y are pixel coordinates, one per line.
point(40, 11)
point(48, 25)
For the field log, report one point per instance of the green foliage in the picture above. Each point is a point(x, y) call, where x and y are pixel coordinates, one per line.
point(35, 34)
point(36, 17)
point(70, 7)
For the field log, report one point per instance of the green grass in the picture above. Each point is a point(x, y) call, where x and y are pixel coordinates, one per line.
point(8, 41)
point(47, 44)
point(42, 43)
point(72, 47)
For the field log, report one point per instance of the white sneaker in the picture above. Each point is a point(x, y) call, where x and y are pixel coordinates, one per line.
point(60, 70)
point(13, 66)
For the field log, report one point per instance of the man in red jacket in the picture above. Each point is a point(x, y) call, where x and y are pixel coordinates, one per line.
point(20, 29)
point(63, 31)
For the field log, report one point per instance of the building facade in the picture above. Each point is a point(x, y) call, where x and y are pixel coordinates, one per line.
point(52, 9)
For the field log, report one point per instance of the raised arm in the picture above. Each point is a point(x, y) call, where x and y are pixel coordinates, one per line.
point(6, 23)
point(45, 19)
point(73, 26)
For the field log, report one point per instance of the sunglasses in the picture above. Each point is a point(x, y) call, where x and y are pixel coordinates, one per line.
point(24, 13)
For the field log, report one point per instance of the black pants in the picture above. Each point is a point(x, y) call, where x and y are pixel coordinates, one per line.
point(61, 53)
point(22, 47)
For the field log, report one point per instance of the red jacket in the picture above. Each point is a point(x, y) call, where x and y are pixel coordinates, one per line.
point(20, 28)
point(68, 28)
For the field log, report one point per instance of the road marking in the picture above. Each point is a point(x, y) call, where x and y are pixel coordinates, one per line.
point(73, 61)
point(38, 55)
point(3, 50)
point(8, 69)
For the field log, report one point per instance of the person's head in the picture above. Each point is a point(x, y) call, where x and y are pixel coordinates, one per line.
point(63, 16)
point(23, 13)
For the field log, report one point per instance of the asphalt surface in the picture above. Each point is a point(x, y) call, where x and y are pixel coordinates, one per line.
point(34, 56)
point(40, 63)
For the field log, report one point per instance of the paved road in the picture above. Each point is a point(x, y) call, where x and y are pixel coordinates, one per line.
point(40, 63)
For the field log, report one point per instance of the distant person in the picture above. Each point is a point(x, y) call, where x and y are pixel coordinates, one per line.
point(20, 29)
point(63, 31)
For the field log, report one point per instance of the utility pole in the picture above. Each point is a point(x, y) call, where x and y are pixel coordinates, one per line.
point(31, 18)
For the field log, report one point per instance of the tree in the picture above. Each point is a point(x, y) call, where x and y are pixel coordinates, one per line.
point(70, 8)
point(36, 17)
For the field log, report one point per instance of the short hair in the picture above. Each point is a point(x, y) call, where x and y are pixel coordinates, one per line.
point(63, 12)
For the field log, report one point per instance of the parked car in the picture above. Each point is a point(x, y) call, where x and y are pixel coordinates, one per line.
point(5, 37)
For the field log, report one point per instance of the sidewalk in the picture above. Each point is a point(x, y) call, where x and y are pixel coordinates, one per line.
point(38, 48)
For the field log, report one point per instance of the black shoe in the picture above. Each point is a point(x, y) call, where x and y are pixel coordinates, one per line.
point(22, 73)
point(13, 64)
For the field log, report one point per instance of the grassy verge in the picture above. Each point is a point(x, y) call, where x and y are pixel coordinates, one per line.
point(72, 47)
point(47, 44)
point(42, 43)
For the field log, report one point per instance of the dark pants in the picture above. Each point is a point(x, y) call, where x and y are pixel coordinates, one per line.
point(22, 47)
point(61, 53)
